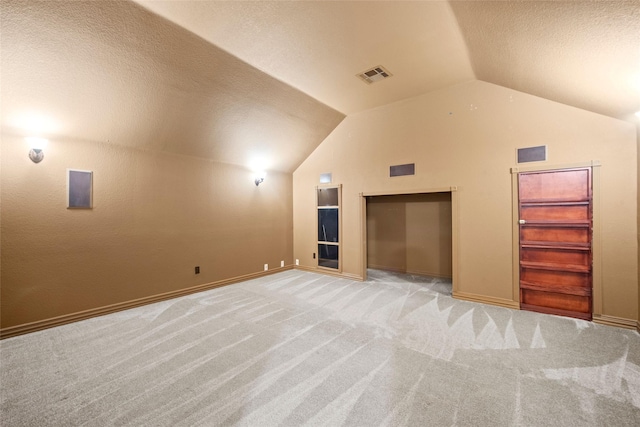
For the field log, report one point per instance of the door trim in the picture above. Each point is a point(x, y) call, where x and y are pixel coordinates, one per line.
point(596, 235)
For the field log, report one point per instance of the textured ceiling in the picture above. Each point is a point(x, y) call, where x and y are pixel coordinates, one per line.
point(320, 46)
point(111, 71)
point(581, 53)
point(235, 81)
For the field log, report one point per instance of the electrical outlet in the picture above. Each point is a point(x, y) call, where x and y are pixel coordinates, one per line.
point(197, 269)
point(281, 263)
point(266, 267)
point(297, 261)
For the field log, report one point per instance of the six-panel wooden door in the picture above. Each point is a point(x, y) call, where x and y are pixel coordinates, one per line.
point(555, 209)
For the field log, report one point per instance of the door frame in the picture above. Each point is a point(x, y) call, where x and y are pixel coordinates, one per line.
point(595, 236)
point(454, 226)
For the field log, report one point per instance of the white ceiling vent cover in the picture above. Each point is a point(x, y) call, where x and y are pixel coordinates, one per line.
point(375, 74)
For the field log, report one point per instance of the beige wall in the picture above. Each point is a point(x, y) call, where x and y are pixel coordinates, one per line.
point(466, 136)
point(155, 217)
point(410, 233)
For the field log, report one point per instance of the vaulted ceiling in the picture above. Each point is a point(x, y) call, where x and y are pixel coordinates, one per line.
point(582, 53)
point(320, 46)
point(234, 80)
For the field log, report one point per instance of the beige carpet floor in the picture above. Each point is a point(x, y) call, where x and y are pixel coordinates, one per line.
point(298, 348)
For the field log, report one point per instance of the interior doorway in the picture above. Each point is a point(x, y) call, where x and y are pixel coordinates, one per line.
point(410, 233)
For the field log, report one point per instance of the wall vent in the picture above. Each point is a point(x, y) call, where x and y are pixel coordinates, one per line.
point(531, 154)
point(402, 170)
point(375, 74)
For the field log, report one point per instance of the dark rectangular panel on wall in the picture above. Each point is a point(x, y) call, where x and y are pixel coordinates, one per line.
point(402, 170)
point(532, 154)
point(79, 188)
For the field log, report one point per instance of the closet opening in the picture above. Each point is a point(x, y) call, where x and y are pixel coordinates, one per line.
point(410, 233)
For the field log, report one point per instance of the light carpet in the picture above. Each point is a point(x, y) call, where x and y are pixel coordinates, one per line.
point(298, 348)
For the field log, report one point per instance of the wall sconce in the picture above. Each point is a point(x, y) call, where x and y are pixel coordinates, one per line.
point(260, 177)
point(37, 145)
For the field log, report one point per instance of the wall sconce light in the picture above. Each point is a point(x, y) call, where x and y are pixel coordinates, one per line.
point(260, 177)
point(37, 145)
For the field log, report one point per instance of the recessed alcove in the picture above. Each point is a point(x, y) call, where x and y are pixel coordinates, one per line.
point(410, 233)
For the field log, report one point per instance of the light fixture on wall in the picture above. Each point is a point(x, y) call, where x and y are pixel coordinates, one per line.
point(37, 145)
point(260, 177)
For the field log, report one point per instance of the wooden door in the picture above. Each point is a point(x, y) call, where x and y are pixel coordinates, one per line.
point(555, 242)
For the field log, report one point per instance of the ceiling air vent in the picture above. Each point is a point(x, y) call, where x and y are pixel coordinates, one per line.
point(375, 74)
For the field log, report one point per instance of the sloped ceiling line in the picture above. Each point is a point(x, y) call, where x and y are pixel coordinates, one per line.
point(113, 71)
point(232, 81)
point(584, 54)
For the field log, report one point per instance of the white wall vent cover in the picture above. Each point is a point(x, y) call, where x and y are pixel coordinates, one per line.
point(375, 74)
